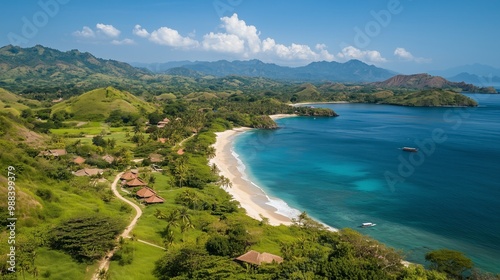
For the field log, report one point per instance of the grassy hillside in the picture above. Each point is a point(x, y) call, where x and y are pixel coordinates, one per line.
point(12, 103)
point(430, 98)
point(44, 200)
point(97, 104)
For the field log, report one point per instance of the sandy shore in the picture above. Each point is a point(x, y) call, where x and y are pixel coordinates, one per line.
point(281, 116)
point(251, 198)
point(328, 102)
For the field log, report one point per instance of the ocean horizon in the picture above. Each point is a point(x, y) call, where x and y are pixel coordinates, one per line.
point(351, 169)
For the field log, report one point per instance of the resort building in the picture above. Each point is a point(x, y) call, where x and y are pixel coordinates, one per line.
point(256, 258)
point(88, 172)
point(154, 199)
point(53, 153)
point(145, 192)
point(78, 160)
point(136, 182)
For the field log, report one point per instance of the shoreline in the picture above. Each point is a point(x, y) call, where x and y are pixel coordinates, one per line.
point(251, 197)
point(282, 116)
point(326, 102)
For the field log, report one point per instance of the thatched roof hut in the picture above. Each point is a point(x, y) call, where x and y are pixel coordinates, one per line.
point(145, 192)
point(256, 258)
point(154, 199)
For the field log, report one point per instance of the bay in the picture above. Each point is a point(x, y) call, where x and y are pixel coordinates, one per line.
point(348, 170)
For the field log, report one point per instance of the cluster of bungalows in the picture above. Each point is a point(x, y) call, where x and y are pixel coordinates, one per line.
point(130, 179)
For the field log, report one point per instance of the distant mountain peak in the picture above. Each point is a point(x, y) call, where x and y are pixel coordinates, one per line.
point(350, 71)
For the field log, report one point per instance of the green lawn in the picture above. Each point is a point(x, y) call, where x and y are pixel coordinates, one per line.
point(142, 265)
point(85, 132)
point(56, 265)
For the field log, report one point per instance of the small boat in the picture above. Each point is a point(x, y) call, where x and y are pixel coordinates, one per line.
point(410, 149)
point(368, 225)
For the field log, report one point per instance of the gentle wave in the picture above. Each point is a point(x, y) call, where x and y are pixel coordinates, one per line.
point(280, 205)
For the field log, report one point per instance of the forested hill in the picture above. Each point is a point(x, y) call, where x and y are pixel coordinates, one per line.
point(42, 69)
point(426, 81)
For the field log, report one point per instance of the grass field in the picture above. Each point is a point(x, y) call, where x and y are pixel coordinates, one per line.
point(85, 132)
point(142, 265)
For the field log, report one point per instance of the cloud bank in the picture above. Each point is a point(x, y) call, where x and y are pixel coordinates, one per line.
point(405, 55)
point(103, 33)
point(237, 38)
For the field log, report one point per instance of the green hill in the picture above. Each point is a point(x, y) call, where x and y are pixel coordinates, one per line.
point(12, 103)
point(430, 98)
point(98, 104)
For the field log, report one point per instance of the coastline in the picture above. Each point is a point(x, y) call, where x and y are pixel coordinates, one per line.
point(250, 197)
point(282, 116)
point(326, 102)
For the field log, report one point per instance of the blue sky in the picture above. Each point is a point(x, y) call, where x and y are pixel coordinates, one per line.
point(408, 36)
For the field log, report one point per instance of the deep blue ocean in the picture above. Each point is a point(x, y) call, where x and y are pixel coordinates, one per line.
point(350, 169)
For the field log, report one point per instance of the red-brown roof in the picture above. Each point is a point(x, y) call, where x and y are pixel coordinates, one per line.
point(58, 152)
point(155, 158)
point(145, 192)
point(128, 176)
point(254, 257)
point(107, 158)
point(78, 160)
point(88, 172)
point(180, 152)
point(53, 152)
point(154, 199)
point(136, 182)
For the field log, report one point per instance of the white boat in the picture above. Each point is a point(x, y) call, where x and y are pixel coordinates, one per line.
point(368, 225)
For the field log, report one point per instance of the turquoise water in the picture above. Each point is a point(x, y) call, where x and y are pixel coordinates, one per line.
point(348, 170)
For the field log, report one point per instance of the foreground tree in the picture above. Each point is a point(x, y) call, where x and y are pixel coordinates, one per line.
point(85, 238)
point(451, 262)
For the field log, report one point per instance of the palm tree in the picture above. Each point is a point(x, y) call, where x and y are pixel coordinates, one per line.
point(225, 182)
point(159, 214)
point(181, 170)
point(184, 215)
point(189, 198)
point(215, 170)
point(185, 225)
point(210, 152)
point(172, 218)
point(169, 238)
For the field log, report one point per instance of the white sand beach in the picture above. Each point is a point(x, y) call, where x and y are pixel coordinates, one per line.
point(251, 198)
point(281, 116)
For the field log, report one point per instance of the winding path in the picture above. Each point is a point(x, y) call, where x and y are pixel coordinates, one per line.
point(104, 262)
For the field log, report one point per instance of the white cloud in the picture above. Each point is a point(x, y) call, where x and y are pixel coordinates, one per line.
point(108, 30)
point(86, 32)
point(139, 31)
point(351, 52)
point(170, 37)
point(403, 54)
point(294, 51)
point(324, 54)
point(125, 41)
point(245, 32)
point(222, 42)
point(236, 37)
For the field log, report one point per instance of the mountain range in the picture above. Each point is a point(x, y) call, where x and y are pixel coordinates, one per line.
point(353, 71)
point(477, 74)
point(40, 71)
